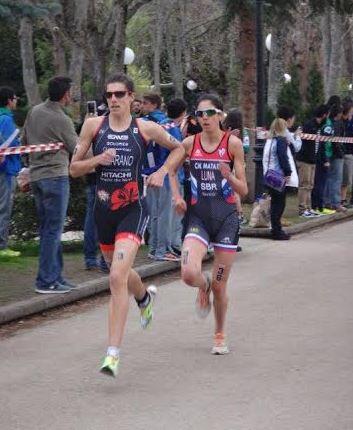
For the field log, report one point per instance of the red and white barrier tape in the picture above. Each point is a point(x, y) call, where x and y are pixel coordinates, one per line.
point(19, 150)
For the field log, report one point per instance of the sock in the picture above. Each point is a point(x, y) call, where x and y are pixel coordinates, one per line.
point(144, 301)
point(113, 351)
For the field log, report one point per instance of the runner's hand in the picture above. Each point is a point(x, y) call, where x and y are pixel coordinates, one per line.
point(157, 178)
point(225, 170)
point(179, 205)
point(107, 157)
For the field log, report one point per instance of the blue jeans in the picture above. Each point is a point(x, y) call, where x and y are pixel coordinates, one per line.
point(159, 201)
point(7, 191)
point(52, 198)
point(333, 183)
point(90, 241)
point(317, 194)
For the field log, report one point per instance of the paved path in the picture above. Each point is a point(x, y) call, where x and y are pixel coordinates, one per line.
point(290, 330)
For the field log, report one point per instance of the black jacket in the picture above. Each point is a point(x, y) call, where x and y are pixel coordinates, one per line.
point(310, 149)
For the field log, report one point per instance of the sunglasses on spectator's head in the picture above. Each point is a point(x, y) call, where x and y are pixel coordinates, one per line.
point(117, 94)
point(207, 112)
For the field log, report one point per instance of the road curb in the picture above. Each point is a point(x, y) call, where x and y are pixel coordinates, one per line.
point(40, 303)
point(299, 228)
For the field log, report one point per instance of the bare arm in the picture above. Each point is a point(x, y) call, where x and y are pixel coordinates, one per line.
point(80, 165)
point(236, 178)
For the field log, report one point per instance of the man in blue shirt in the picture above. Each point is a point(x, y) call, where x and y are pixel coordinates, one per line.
point(9, 166)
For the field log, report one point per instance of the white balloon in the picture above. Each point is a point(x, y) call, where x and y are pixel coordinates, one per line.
point(350, 87)
point(191, 85)
point(268, 42)
point(287, 78)
point(129, 56)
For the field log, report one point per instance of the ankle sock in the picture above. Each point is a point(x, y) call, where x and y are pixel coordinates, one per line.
point(144, 301)
point(113, 351)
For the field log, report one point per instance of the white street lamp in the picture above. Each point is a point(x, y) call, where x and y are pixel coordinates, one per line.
point(287, 78)
point(129, 56)
point(191, 85)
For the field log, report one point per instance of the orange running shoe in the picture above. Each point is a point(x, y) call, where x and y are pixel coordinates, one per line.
point(220, 347)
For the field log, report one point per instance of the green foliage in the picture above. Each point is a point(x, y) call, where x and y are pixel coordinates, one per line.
point(77, 205)
point(290, 95)
point(315, 91)
point(141, 78)
point(13, 9)
point(10, 57)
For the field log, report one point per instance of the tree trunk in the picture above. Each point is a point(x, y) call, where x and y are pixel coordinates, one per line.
point(157, 33)
point(334, 72)
point(247, 53)
point(78, 54)
point(326, 46)
point(348, 48)
point(120, 11)
point(28, 65)
point(277, 65)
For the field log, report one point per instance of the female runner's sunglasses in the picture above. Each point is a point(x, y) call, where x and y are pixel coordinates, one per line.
point(207, 112)
point(117, 94)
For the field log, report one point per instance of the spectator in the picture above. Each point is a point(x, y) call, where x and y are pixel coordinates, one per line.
point(277, 157)
point(47, 123)
point(332, 198)
point(348, 155)
point(9, 166)
point(321, 171)
point(158, 199)
point(294, 140)
point(136, 106)
point(306, 161)
point(176, 111)
point(233, 123)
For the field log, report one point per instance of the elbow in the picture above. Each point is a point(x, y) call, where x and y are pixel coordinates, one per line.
point(73, 171)
point(244, 190)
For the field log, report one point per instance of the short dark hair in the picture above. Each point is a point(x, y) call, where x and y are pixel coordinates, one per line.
point(285, 112)
point(320, 111)
point(122, 78)
point(6, 94)
point(153, 98)
point(346, 107)
point(334, 100)
point(233, 120)
point(57, 87)
point(176, 107)
point(335, 110)
point(213, 98)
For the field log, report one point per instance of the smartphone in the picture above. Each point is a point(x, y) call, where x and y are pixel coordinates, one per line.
point(92, 107)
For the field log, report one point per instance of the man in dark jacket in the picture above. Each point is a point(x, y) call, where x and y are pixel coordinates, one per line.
point(306, 161)
point(9, 166)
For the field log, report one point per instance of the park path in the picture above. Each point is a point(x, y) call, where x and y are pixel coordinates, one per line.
point(290, 367)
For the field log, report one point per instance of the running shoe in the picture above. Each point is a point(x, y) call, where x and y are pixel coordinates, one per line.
point(110, 366)
point(203, 303)
point(147, 312)
point(219, 344)
point(326, 211)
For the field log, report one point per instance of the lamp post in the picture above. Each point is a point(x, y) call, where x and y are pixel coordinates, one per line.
point(260, 106)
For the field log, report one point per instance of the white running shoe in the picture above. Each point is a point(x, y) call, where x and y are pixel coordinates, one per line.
point(220, 347)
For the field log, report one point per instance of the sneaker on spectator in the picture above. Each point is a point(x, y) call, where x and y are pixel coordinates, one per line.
point(327, 211)
point(176, 251)
point(341, 208)
point(315, 212)
point(68, 284)
point(54, 288)
point(7, 252)
point(307, 214)
point(151, 255)
point(168, 256)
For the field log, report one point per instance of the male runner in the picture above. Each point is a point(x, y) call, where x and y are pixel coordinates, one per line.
point(118, 143)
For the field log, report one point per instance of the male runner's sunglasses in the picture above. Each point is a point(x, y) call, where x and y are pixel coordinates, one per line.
point(207, 112)
point(117, 94)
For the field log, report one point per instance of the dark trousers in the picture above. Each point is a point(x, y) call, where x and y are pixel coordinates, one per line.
point(317, 194)
point(278, 204)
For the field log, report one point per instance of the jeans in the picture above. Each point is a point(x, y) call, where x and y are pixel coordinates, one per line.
point(278, 204)
point(333, 184)
point(159, 201)
point(7, 191)
point(52, 198)
point(317, 195)
point(90, 240)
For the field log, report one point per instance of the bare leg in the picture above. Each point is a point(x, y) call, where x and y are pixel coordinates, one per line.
point(120, 272)
point(221, 269)
point(191, 263)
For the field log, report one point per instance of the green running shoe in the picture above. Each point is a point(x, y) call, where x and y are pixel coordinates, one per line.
point(147, 312)
point(110, 366)
point(7, 252)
